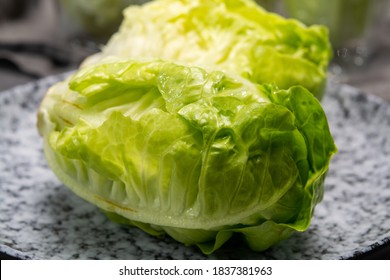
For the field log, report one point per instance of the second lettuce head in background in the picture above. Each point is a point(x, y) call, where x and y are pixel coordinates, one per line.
point(237, 36)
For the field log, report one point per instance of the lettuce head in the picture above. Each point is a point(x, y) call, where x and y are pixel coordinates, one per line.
point(234, 35)
point(189, 123)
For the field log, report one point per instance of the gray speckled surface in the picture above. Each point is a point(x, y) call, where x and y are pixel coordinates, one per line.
point(42, 219)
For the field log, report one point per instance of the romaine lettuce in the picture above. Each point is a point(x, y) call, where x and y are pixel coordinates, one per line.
point(200, 155)
point(233, 35)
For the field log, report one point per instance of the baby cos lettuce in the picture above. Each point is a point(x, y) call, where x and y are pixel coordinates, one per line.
point(199, 155)
point(234, 35)
point(197, 120)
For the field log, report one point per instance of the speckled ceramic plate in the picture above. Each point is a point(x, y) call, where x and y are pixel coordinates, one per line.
point(42, 219)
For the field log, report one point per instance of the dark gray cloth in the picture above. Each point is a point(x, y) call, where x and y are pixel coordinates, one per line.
point(33, 40)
